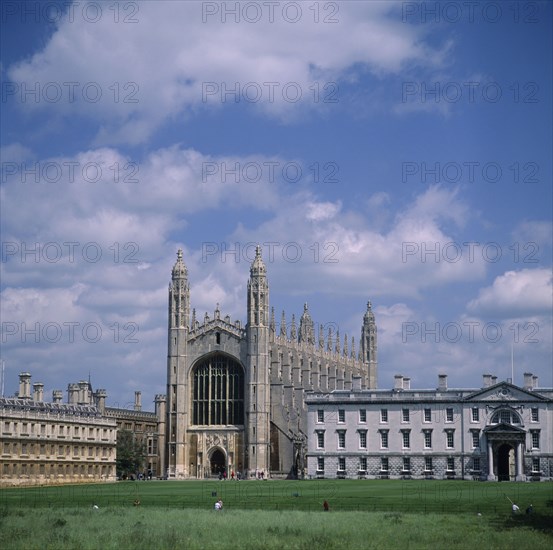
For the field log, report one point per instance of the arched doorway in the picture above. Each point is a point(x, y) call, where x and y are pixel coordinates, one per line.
point(505, 462)
point(218, 462)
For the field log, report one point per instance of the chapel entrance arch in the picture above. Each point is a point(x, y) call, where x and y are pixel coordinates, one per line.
point(217, 461)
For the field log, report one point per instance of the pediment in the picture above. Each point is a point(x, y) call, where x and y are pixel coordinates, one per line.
point(217, 325)
point(504, 391)
point(503, 429)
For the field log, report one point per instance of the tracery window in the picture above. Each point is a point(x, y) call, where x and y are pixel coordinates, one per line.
point(218, 392)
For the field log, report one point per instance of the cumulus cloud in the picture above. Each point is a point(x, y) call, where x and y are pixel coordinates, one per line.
point(278, 67)
point(515, 293)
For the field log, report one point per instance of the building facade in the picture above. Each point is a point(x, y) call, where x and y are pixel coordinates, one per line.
point(53, 442)
point(497, 432)
point(236, 394)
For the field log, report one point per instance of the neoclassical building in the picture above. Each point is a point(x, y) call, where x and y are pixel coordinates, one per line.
point(497, 432)
point(236, 394)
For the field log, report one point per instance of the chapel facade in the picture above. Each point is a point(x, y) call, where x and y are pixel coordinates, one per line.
point(236, 394)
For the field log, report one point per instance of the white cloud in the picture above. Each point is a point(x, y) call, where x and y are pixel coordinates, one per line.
point(204, 59)
point(515, 293)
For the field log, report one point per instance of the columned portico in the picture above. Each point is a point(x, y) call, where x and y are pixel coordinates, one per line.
point(505, 453)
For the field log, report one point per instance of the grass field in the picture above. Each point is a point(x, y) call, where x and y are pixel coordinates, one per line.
point(278, 514)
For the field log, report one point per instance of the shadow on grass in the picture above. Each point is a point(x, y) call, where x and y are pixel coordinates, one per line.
point(539, 522)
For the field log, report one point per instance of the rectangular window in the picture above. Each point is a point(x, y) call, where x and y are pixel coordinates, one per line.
point(450, 464)
point(320, 415)
point(427, 439)
point(427, 415)
point(320, 464)
point(406, 464)
point(384, 464)
point(320, 440)
point(475, 439)
point(535, 415)
point(341, 415)
point(536, 465)
point(535, 439)
point(362, 415)
point(383, 415)
point(450, 443)
point(475, 414)
point(476, 463)
point(384, 440)
point(363, 464)
point(342, 464)
point(363, 440)
point(405, 415)
point(428, 464)
point(449, 415)
point(341, 440)
point(406, 439)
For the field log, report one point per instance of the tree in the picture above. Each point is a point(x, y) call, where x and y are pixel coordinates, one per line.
point(131, 454)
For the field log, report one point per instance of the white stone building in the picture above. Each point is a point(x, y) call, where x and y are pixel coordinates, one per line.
point(497, 432)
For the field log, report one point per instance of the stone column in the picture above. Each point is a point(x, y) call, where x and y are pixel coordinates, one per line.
point(491, 476)
point(519, 460)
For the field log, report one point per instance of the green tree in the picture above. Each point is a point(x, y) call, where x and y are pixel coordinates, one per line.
point(131, 454)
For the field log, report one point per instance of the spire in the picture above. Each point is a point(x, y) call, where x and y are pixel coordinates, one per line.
point(353, 347)
point(293, 330)
point(306, 327)
point(193, 318)
point(283, 325)
point(329, 340)
point(179, 294)
point(337, 350)
point(321, 337)
point(345, 345)
point(179, 269)
point(258, 266)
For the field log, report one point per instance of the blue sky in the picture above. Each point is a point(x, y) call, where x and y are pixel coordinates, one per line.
point(364, 140)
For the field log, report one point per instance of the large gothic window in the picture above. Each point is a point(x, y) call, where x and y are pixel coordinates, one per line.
point(218, 392)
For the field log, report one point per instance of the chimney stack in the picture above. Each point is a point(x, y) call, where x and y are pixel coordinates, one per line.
point(494, 380)
point(406, 383)
point(73, 394)
point(534, 381)
point(398, 382)
point(487, 380)
point(57, 396)
point(38, 391)
point(528, 381)
point(442, 382)
point(137, 401)
point(101, 400)
point(24, 386)
point(84, 398)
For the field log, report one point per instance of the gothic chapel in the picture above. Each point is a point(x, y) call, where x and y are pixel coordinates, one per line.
point(236, 395)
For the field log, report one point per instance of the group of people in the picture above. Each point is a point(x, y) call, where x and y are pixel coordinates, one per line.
point(218, 505)
point(516, 509)
point(233, 476)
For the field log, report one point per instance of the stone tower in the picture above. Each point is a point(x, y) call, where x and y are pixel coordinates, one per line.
point(258, 404)
point(368, 345)
point(177, 383)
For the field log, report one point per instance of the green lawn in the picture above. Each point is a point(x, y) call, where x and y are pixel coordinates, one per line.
point(277, 514)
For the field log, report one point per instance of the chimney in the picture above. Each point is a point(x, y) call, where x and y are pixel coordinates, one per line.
point(487, 380)
point(57, 396)
point(356, 383)
point(24, 385)
point(137, 401)
point(84, 398)
point(398, 382)
point(494, 380)
point(528, 381)
point(406, 383)
point(534, 381)
point(442, 382)
point(38, 391)
point(73, 394)
point(101, 400)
